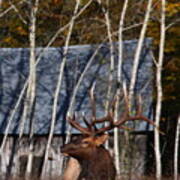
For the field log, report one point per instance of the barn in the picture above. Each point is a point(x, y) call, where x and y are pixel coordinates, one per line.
point(15, 131)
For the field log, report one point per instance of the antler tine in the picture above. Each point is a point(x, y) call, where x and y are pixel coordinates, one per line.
point(103, 119)
point(107, 118)
point(138, 116)
point(139, 106)
point(123, 120)
point(77, 126)
point(86, 122)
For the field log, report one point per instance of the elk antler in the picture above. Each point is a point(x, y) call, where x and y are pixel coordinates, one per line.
point(123, 119)
point(91, 126)
point(76, 125)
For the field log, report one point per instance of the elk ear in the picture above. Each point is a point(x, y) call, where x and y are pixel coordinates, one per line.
point(101, 139)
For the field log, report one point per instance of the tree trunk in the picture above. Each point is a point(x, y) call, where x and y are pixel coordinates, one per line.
point(58, 87)
point(176, 150)
point(31, 91)
point(159, 94)
point(138, 52)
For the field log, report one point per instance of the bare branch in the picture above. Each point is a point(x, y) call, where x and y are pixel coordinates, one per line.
point(11, 7)
point(172, 24)
point(154, 59)
point(18, 13)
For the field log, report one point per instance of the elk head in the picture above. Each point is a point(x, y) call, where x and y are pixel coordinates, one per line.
point(95, 161)
point(84, 146)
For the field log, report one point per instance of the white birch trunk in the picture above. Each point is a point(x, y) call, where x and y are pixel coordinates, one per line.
point(119, 79)
point(111, 70)
point(159, 94)
point(176, 149)
point(58, 87)
point(137, 57)
point(32, 84)
point(138, 52)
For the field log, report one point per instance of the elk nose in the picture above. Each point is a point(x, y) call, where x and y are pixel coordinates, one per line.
point(62, 149)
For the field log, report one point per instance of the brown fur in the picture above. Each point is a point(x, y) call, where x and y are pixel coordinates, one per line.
point(95, 161)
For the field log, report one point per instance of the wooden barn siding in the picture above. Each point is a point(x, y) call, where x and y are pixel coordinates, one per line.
point(14, 157)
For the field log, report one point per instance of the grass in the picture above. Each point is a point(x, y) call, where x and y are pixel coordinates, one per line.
point(134, 177)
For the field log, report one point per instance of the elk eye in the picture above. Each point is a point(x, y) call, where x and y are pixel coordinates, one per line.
point(85, 144)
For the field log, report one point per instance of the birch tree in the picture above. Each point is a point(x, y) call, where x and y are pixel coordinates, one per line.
point(58, 87)
point(30, 94)
point(111, 47)
point(138, 52)
point(119, 81)
point(176, 149)
point(135, 69)
point(159, 92)
point(31, 90)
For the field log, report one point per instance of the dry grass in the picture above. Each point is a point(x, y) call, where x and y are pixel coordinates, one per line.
point(140, 177)
point(122, 178)
point(144, 178)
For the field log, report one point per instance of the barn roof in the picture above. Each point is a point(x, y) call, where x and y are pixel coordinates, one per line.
point(14, 65)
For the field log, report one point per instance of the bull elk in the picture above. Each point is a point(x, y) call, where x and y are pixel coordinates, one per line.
point(95, 161)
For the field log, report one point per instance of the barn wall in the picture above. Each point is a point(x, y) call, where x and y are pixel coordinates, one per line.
point(133, 153)
point(13, 159)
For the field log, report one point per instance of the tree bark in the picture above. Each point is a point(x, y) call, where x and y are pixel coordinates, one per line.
point(31, 91)
point(159, 93)
point(119, 81)
point(58, 87)
point(138, 52)
point(176, 150)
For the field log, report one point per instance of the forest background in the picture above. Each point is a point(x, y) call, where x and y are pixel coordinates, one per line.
point(90, 28)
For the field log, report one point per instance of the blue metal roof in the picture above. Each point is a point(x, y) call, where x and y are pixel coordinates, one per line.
point(14, 65)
